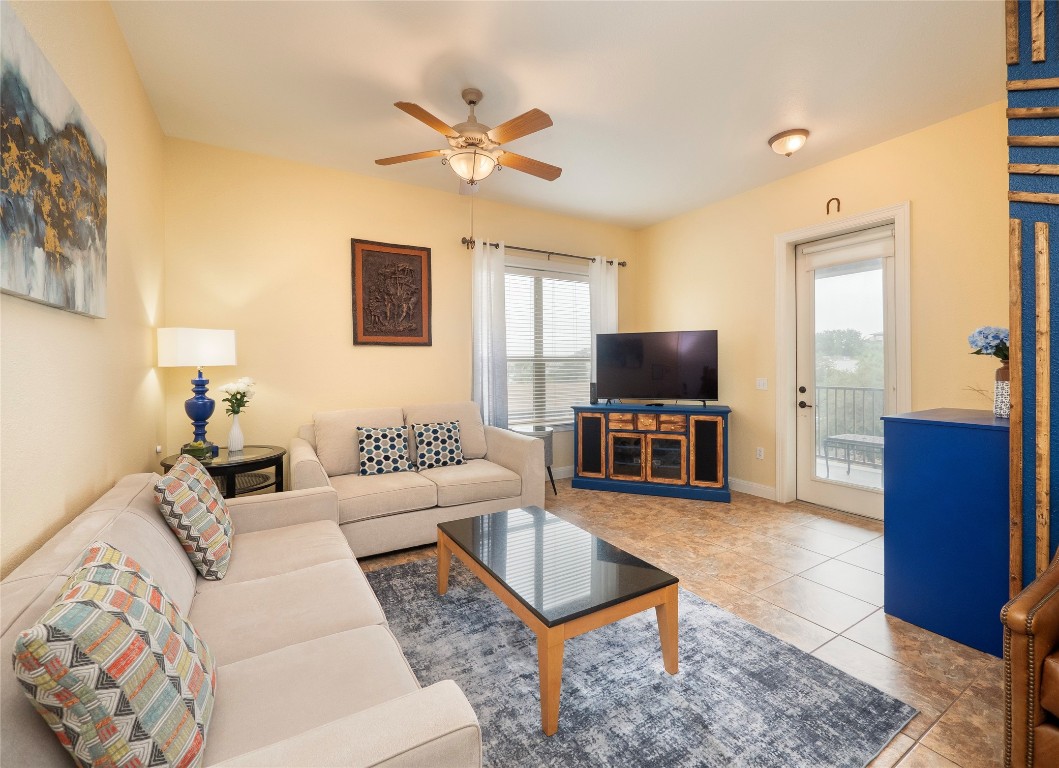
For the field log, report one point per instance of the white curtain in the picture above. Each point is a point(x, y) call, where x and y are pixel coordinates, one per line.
point(489, 333)
point(603, 294)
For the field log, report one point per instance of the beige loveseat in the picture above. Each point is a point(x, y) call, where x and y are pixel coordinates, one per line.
point(308, 673)
point(381, 513)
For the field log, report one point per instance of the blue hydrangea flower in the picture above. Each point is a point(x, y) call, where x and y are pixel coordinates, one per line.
point(990, 340)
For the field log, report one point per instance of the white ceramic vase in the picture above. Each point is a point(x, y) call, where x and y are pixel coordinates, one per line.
point(235, 436)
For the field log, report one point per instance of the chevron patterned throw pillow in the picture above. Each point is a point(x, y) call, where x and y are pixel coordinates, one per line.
point(194, 508)
point(118, 674)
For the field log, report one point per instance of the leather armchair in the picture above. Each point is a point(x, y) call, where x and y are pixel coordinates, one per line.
point(1031, 673)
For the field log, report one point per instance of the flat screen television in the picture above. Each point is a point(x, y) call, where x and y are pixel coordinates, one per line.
point(667, 365)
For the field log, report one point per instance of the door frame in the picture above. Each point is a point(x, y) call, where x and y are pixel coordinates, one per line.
point(787, 326)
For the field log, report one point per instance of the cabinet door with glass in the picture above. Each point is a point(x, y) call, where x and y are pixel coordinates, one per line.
point(626, 452)
point(707, 451)
point(667, 457)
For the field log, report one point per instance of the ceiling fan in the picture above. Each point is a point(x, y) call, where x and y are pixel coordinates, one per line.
point(474, 151)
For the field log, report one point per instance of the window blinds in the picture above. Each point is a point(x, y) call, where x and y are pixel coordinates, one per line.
point(549, 342)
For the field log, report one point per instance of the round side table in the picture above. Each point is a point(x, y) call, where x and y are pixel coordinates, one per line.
point(239, 472)
point(546, 434)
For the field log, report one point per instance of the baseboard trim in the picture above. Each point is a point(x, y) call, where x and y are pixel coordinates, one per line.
point(560, 473)
point(754, 489)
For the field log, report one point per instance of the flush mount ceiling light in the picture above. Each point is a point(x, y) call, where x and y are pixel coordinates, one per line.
point(789, 142)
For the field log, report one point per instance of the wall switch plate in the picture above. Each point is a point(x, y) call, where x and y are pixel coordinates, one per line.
point(762, 384)
point(158, 449)
point(759, 453)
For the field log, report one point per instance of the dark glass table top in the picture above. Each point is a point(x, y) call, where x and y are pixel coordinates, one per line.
point(249, 455)
point(557, 570)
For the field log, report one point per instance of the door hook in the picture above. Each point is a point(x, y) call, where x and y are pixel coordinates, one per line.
point(838, 208)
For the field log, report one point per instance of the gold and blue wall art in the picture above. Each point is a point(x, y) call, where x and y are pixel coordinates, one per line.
point(53, 218)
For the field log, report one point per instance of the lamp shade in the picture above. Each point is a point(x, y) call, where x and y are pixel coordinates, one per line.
point(195, 347)
point(472, 164)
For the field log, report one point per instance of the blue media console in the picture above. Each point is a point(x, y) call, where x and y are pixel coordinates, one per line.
point(946, 513)
point(670, 450)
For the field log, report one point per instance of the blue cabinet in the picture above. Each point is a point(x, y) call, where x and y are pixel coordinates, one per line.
point(672, 450)
point(946, 517)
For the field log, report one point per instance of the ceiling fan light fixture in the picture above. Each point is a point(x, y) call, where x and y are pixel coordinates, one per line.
point(789, 142)
point(472, 164)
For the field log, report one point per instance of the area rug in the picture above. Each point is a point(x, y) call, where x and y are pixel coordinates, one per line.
point(741, 698)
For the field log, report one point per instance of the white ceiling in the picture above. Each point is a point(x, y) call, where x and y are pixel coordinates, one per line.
point(659, 107)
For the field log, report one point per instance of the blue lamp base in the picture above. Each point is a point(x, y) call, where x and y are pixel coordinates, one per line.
point(199, 408)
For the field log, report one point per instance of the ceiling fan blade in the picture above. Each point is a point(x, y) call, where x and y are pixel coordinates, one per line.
point(517, 127)
point(423, 116)
point(530, 166)
point(406, 158)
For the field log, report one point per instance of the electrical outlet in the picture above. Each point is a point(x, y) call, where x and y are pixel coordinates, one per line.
point(762, 384)
point(759, 453)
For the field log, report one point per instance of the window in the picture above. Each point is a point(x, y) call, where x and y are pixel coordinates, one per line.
point(549, 344)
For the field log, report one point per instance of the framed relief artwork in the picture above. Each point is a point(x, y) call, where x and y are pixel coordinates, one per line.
point(53, 232)
point(391, 294)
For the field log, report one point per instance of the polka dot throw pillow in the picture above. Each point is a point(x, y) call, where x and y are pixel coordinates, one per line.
point(383, 449)
point(438, 444)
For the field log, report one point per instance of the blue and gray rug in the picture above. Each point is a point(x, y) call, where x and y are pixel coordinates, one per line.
point(742, 697)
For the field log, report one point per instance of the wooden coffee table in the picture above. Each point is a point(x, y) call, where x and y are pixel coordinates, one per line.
point(561, 581)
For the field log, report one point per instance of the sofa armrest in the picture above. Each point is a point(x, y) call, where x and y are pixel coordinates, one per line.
point(305, 467)
point(1031, 634)
point(523, 455)
point(278, 510)
point(432, 727)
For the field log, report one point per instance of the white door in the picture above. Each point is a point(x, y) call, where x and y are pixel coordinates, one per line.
point(845, 377)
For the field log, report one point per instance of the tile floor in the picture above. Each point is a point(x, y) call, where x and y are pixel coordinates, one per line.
point(814, 578)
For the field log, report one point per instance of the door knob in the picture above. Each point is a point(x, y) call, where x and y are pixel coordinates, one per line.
point(803, 404)
point(802, 390)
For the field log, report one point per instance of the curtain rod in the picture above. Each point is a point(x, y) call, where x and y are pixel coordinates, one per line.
point(469, 242)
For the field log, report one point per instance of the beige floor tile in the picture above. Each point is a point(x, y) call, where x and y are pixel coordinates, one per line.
point(819, 604)
point(743, 572)
point(799, 632)
point(375, 562)
point(965, 734)
point(860, 532)
point(933, 655)
point(921, 757)
point(815, 541)
point(894, 751)
point(877, 543)
point(781, 554)
point(718, 592)
point(865, 556)
point(926, 694)
point(849, 579)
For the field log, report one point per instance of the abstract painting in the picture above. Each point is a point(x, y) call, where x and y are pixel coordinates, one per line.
point(53, 223)
point(391, 294)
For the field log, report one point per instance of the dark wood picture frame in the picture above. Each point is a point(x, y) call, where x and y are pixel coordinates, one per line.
point(391, 294)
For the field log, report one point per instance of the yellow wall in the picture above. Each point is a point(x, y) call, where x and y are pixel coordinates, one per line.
point(715, 267)
point(81, 404)
point(263, 246)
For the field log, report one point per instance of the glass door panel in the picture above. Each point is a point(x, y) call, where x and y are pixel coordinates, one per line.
point(667, 459)
point(626, 456)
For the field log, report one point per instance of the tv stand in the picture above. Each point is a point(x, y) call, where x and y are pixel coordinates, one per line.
point(653, 449)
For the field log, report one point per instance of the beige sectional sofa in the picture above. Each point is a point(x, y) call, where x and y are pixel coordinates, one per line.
point(380, 513)
point(308, 671)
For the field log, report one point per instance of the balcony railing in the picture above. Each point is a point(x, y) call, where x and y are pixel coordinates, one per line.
point(849, 411)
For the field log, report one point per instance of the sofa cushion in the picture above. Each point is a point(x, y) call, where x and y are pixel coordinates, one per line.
point(249, 618)
point(376, 495)
point(275, 551)
point(472, 431)
point(336, 435)
point(437, 444)
point(383, 450)
point(1050, 685)
point(115, 670)
point(268, 698)
point(193, 507)
point(477, 480)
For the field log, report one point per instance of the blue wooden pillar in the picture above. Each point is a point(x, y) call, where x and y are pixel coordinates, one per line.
point(1032, 30)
